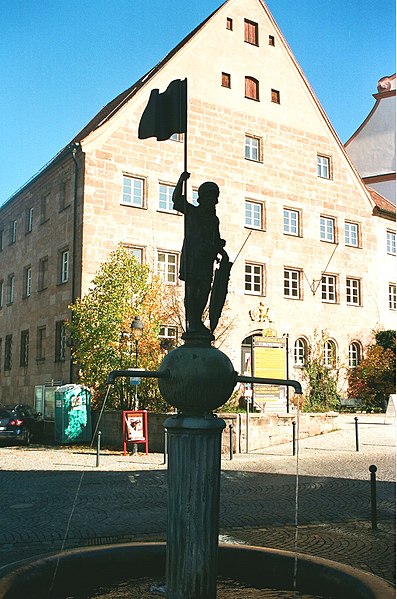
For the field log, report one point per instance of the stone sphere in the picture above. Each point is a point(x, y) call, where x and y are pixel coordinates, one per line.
point(201, 379)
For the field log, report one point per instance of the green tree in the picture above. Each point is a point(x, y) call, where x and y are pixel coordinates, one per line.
point(100, 330)
point(321, 380)
point(374, 379)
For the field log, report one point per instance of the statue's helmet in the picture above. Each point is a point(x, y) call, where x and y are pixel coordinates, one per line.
point(208, 191)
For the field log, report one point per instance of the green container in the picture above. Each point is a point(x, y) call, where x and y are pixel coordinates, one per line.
point(72, 414)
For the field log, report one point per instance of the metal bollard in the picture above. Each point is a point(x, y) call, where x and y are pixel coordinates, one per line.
point(165, 446)
point(293, 437)
point(374, 521)
point(356, 427)
point(98, 448)
point(231, 441)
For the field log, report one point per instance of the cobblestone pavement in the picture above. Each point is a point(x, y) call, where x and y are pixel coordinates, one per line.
point(54, 497)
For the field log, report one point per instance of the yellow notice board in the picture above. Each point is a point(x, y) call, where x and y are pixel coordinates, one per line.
point(269, 362)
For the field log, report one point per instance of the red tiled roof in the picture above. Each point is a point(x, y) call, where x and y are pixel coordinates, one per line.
point(382, 203)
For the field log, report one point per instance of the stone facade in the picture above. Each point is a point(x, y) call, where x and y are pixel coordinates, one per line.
point(291, 133)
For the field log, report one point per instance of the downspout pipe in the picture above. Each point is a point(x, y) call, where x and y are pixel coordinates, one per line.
point(74, 149)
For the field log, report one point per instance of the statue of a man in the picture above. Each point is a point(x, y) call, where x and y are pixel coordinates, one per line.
point(201, 246)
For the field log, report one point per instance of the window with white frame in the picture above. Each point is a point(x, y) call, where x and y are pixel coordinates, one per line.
point(351, 234)
point(392, 296)
point(330, 354)
point(10, 288)
point(300, 352)
point(253, 214)
point(64, 266)
point(327, 229)
point(328, 288)
point(133, 191)
point(167, 266)
point(354, 354)
point(137, 252)
point(168, 337)
point(165, 197)
point(391, 242)
point(323, 167)
point(292, 283)
point(29, 220)
point(291, 222)
point(253, 278)
point(353, 292)
point(252, 148)
point(27, 281)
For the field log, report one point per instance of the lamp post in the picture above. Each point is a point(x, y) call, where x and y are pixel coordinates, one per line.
point(136, 333)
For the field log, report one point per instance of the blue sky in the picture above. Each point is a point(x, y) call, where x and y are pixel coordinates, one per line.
point(61, 61)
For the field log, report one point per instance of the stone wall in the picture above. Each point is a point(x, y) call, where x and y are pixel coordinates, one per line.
point(263, 431)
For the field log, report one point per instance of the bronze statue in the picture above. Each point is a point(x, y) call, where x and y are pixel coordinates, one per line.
point(202, 247)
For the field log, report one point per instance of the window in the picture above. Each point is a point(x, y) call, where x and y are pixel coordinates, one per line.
point(351, 234)
point(391, 242)
point(29, 220)
point(292, 283)
point(253, 214)
point(168, 336)
point(8, 352)
point(167, 267)
point(24, 349)
point(327, 229)
point(353, 292)
point(291, 222)
point(1, 240)
point(323, 164)
point(137, 252)
point(252, 88)
point(45, 207)
point(330, 354)
point(300, 352)
point(13, 232)
point(275, 96)
point(272, 41)
point(1, 293)
point(64, 266)
point(133, 189)
point(165, 197)
point(229, 23)
point(60, 341)
point(64, 194)
point(226, 81)
point(253, 278)
point(354, 354)
point(251, 32)
point(43, 274)
point(27, 281)
point(252, 148)
point(328, 288)
point(392, 296)
point(10, 288)
point(40, 343)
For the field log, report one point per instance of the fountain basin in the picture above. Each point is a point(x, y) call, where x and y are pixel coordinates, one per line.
point(82, 571)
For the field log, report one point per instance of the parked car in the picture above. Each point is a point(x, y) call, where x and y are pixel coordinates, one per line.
point(20, 423)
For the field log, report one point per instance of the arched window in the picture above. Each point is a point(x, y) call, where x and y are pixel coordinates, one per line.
point(354, 354)
point(330, 354)
point(300, 352)
point(252, 88)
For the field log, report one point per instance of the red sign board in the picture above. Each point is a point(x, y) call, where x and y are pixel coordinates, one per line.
point(135, 428)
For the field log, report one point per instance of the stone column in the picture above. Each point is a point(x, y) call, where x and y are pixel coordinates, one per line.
point(194, 459)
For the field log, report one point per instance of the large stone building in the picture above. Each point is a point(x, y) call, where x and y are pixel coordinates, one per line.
point(312, 247)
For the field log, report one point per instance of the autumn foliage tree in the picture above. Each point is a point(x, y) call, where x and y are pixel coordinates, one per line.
point(100, 330)
point(374, 379)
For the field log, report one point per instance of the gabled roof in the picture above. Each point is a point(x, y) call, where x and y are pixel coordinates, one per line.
point(383, 207)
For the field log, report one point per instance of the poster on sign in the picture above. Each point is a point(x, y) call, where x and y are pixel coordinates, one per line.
point(135, 428)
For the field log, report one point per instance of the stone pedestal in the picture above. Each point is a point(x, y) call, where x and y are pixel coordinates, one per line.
point(194, 457)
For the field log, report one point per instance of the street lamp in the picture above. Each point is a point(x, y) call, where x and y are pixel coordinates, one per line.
point(136, 333)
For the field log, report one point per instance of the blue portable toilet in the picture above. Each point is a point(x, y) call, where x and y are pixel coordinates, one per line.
point(72, 414)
